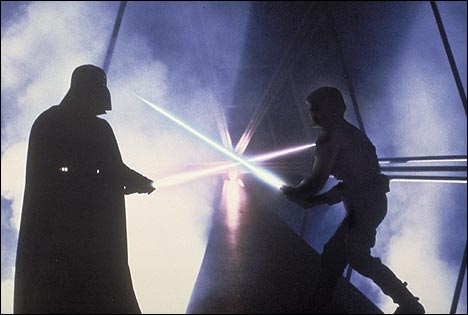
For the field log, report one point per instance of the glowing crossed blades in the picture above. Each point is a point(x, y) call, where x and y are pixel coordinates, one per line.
point(186, 176)
point(260, 173)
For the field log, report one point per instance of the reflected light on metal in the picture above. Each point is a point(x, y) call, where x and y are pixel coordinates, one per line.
point(449, 181)
point(260, 173)
point(436, 161)
point(186, 176)
point(233, 199)
point(425, 161)
point(233, 175)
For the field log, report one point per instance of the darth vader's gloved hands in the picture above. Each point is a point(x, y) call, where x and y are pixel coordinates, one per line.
point(146, 186)
point(137, 183)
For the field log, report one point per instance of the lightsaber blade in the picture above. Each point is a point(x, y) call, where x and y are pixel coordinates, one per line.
point(275, 154)
point(190, 175)
point(183, 177)
point(260, 173)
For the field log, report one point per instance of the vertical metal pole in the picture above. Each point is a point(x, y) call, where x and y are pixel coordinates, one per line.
point(115, 32)
point(458, 287)
point(461, 92)
point(448, 51)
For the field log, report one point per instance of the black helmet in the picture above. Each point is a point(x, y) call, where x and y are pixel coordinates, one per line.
point(88, 91)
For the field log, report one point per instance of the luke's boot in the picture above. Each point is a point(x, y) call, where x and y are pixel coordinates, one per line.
point(397, 290)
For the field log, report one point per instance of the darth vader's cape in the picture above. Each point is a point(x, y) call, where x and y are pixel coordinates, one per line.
point(72, 248)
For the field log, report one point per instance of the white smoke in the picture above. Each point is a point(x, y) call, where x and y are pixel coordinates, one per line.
point(422, 120)
point(167, 230)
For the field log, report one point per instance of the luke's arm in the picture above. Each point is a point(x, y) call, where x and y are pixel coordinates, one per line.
point(325, 157)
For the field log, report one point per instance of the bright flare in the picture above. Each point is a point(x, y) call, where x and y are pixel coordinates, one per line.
point(190, 175)
point(262, 174)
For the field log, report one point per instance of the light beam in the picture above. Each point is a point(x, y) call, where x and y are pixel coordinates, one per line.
point(260, 173)
point(182, 177)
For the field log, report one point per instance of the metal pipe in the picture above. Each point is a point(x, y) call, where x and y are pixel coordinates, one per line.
point(423, 168)
point(448, 51)
point(425, 159)
point(458, 287)
point(115, 32)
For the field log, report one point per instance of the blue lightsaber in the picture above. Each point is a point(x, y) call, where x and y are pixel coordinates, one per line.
point(260, 173)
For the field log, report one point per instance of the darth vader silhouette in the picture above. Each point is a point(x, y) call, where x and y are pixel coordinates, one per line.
point(72, 248)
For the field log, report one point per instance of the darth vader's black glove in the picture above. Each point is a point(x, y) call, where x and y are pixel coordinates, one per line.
point(137, 183)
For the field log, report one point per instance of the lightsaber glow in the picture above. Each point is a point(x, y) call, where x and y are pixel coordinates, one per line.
point(275, 154)
point(183, 177)
point(260, 173)
point(190, 175)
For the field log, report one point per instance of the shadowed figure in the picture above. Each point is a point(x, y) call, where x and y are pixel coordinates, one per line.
point(72, 247)
point(345, 152)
